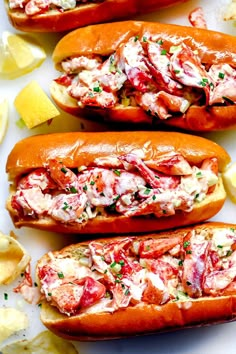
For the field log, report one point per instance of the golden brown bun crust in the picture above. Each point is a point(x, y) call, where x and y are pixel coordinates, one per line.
point(104, 39)
point(82, 148)
point(213, 48)
point(143, 318)
point(76, 149)
point(85, 14)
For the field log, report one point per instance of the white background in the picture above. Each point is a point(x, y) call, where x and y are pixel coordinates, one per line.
point(218, 339)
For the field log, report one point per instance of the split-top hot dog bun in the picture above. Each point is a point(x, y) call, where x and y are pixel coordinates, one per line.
point(128, 286)
point(157, 73)
point(64, 16)
point(114, 182)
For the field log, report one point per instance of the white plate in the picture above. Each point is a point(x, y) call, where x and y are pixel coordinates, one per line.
point(218, 339)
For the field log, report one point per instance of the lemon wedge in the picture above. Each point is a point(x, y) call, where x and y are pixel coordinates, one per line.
point(229, 179)
point(3, 118)
point(19, 55)
point(34, 106)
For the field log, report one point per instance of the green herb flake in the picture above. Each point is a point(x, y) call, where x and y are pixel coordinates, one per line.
point(188, 252)
point(154, 197)
point(97, 89)
point(49, 294)
point(144, 39)
point(5, 296)
point(85, 187)
point(117, 172)
point(60, 275)
point(176, 71)
point(92, 183)
point(73, 190)
point(181, 262)
point(122, 262)
point(199, 174)
point(186, 244)
point(228, 253)
point(219, 246)
point(163, 52)
point(112, 265)
point(160, 41)
point(164, 211)
point(147, 191)
point(136, 38)
point(66, 206)
point(127, 292)
point(221, 75)
point(63, 169)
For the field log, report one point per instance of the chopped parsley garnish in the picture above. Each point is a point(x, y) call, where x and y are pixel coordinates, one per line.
point(85, 187)
point(92, 183)
point(164, 211)
point(219, 246)
point(181, 262)
point(63, 169)
point(73, 189)
point(154, 197)
point(60, 275)
point(231, 229)
point(97, 89)
point(188, 252)
point(49, 294)
point(147, 191)
point(122, 262)
point(66, 206)
point(113, 264)
point(117, 172)
point(160, 41)
point(144, 39)
point(186, 244)
point(102, 194)
point(136, 38)
point(221, 75)
point(127, 292)
point(199, 174)
point(177, 71)
point(5, 296)
point(163, 52)
point(203, 82)
point(228, 253)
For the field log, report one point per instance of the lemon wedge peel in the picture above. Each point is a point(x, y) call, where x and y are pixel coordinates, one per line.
point(34, 106)
point(229, 180)
point(19, 55)
point(4, 118)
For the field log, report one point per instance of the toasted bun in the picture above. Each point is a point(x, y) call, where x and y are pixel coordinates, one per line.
point(104, 39)
point(212, 47)
point(81, 148)
point(76, 149)
point(83, 14)
point(142, 318)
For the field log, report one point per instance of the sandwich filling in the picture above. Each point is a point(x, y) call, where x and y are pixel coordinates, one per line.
point(146, 73)
point(113, 186)
point(108, 276)
point(37, 7)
